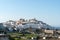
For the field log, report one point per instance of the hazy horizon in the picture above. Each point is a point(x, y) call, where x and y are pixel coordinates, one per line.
point(47, 11)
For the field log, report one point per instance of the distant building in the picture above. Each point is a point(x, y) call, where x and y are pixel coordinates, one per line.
point(33, 20)
point(49, 31)
point(58, 32)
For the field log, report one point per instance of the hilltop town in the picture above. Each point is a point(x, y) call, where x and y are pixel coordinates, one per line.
point(23, 24)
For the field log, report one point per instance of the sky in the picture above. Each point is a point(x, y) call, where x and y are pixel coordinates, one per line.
point(47, 11)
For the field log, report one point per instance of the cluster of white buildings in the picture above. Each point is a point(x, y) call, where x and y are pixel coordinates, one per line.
point(22, 23)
